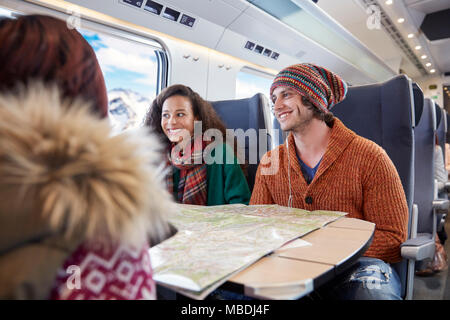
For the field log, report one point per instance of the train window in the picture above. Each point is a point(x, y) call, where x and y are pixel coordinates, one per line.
point(130, 70)
point(250, 82)
point(133, 67)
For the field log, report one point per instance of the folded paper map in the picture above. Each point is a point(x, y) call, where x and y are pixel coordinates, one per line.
point(215, 242)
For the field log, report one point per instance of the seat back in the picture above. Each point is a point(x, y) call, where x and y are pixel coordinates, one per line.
point(249, 115)
point(441, 126)
point(385, 113)
point(447, 116)
point(441, 132)
point(418, 102)
point(424, 168)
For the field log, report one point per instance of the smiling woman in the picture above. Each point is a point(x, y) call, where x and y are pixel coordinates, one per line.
point(177, 120)
point(191, 177)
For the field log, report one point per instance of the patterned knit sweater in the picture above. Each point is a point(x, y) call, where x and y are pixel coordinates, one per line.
point(355, 176)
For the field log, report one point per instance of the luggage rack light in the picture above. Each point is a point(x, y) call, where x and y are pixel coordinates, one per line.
point(162, 11)
point(261, 50)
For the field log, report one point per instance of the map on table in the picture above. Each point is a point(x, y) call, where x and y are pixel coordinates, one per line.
point(214, 242)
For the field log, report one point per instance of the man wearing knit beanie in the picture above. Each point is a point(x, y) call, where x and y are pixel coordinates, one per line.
point(325, 165)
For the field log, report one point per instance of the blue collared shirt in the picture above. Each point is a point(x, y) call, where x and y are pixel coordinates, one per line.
point(308, 173)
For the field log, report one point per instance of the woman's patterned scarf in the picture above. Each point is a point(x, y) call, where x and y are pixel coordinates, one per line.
point(192, 188)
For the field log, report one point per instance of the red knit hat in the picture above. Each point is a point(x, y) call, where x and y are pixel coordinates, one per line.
point(321, 86)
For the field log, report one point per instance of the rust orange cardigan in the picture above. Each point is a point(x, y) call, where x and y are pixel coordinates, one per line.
point(355, 176)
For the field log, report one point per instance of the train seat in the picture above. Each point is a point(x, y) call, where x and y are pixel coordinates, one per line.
point(441, 124)
point(247, 114)
point(441, 132)
point(442, 193)
point(424, 175)
point(447, 137)
point(385, 113)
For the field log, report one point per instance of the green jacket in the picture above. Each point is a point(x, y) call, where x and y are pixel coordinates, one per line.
point(225, 182)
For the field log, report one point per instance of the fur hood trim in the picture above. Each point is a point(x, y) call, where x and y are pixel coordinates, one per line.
point(63, 167)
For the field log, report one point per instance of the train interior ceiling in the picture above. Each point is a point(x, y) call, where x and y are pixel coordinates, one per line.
point(231, 49)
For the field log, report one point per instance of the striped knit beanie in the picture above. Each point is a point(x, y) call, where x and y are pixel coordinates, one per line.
point(321, 86)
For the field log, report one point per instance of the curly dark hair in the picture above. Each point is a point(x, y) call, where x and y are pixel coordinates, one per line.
point(202, 109)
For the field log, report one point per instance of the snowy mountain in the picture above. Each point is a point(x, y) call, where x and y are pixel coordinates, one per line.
point(127, 109)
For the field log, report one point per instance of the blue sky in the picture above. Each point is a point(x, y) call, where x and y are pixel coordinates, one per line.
point(94, 40)
point(120, 78)
point(125, 64)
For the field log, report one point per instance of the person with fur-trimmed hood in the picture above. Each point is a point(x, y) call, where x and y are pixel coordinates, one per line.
point(78, 204)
